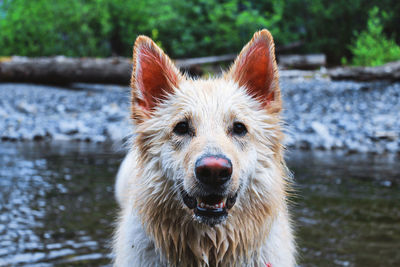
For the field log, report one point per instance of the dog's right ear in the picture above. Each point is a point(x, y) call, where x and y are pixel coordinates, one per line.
point(154, 76)
point(255, 69)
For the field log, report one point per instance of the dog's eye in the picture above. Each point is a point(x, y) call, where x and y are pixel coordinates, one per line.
point(239, 129)
point(182, 128)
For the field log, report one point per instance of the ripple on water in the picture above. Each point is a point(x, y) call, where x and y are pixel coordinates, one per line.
point(47, 199)
point(57, 206)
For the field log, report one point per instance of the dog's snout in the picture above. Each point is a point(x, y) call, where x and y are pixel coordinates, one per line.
point(213, 170)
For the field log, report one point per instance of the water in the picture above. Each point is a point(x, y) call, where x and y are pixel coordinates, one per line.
point(56, 203)
point(57, 206)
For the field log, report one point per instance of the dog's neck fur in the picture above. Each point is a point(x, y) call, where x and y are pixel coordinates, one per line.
point(181, 240)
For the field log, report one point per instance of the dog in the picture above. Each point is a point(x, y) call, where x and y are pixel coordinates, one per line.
point(205, 182)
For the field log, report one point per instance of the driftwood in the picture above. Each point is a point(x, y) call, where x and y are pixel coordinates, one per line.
point(192, 66)
point(187, 63)
point(62, 70)
point(389, 71)
point(116, 70)
point(310, 61)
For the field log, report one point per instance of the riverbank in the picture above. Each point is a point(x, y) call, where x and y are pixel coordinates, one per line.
point(319, 113)
point(353, 116)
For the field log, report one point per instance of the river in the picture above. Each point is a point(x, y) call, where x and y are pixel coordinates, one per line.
point(57, 205)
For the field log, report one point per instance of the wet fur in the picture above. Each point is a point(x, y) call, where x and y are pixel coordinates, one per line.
point(155, 227)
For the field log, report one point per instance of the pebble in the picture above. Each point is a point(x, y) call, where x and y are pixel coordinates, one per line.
point(324, 114)
point(318, 114)
point(40, 112)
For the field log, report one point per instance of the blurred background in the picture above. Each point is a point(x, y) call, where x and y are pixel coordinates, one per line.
point(345, 32)
point(64, 117)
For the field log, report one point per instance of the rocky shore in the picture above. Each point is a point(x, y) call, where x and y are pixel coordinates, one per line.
point(354, 116)
point(319, 113)
point(92, 113)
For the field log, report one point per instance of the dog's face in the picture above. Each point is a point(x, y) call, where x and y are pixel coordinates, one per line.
point(205, 134)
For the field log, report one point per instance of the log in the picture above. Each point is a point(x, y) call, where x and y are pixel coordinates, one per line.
point(389, 71)
point(310, 61)
point(63, 70)
point(192, 66)
point(187, 63)
point(190, 62)
point(115, 70)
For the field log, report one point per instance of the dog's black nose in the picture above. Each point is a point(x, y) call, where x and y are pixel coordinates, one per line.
point(213, 170)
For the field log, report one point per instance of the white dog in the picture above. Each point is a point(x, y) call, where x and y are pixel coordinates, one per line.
point(205, 182)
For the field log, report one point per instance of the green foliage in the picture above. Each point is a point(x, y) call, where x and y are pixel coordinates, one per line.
point(328, 26)
point(109, 27)
point(371, 47)
point(183, 28)
point(36, 28)
point(206, 27)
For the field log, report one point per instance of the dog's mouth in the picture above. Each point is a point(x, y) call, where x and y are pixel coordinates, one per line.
point(211, 209)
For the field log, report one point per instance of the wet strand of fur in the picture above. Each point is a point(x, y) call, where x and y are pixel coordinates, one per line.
point(182, 240)
point(171, 235)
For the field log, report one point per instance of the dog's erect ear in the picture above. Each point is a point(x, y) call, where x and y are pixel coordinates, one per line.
point(154, 76)
point(255, 69)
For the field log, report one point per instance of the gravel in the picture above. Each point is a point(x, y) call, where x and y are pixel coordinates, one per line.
point(95, 113)
point(354, 116)
point(319, 113)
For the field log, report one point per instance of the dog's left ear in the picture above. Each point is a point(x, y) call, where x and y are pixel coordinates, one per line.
point(154, 76)
point(255, 69)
